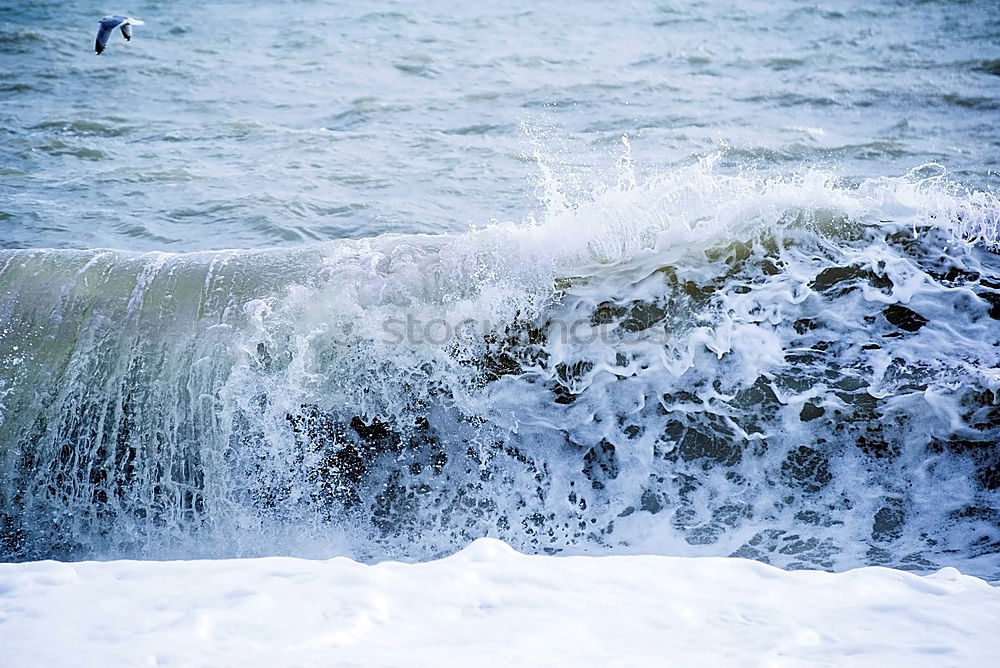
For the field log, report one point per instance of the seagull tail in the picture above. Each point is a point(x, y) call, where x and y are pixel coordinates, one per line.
point(137, 22)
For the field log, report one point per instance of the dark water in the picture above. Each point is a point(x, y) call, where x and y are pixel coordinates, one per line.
point(684, 278)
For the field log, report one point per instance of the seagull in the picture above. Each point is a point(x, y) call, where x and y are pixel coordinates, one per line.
point(107, 26)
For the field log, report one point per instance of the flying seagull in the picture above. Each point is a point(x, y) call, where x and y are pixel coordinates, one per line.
point(107, 26)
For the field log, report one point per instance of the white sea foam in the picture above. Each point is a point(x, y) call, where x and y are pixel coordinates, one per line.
point(489, 605)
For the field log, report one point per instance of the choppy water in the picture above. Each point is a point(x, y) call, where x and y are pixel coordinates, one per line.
point(255, 124)
point(764, 323)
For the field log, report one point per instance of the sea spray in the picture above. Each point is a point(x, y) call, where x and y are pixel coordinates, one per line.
point(787, 368)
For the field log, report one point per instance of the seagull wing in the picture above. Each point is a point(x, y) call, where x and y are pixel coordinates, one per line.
point(107, 25)
point(127, 31)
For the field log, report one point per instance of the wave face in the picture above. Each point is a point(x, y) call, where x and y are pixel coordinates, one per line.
point(786, 369)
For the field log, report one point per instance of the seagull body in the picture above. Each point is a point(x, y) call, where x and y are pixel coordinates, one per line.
point(108, 25)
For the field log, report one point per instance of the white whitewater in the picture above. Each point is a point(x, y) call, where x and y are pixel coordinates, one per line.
point(488, 605)
point(788, 369)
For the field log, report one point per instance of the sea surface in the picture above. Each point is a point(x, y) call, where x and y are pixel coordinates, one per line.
point(377, 279)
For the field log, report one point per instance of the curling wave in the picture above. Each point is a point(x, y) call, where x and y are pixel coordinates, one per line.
point(791, 369)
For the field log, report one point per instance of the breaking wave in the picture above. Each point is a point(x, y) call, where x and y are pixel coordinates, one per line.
point(792, 369)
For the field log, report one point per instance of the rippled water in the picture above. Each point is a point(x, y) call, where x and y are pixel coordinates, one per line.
point(256, 124)
point(686, 278)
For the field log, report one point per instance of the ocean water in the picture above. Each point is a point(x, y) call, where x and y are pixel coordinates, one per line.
point(319, 278)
